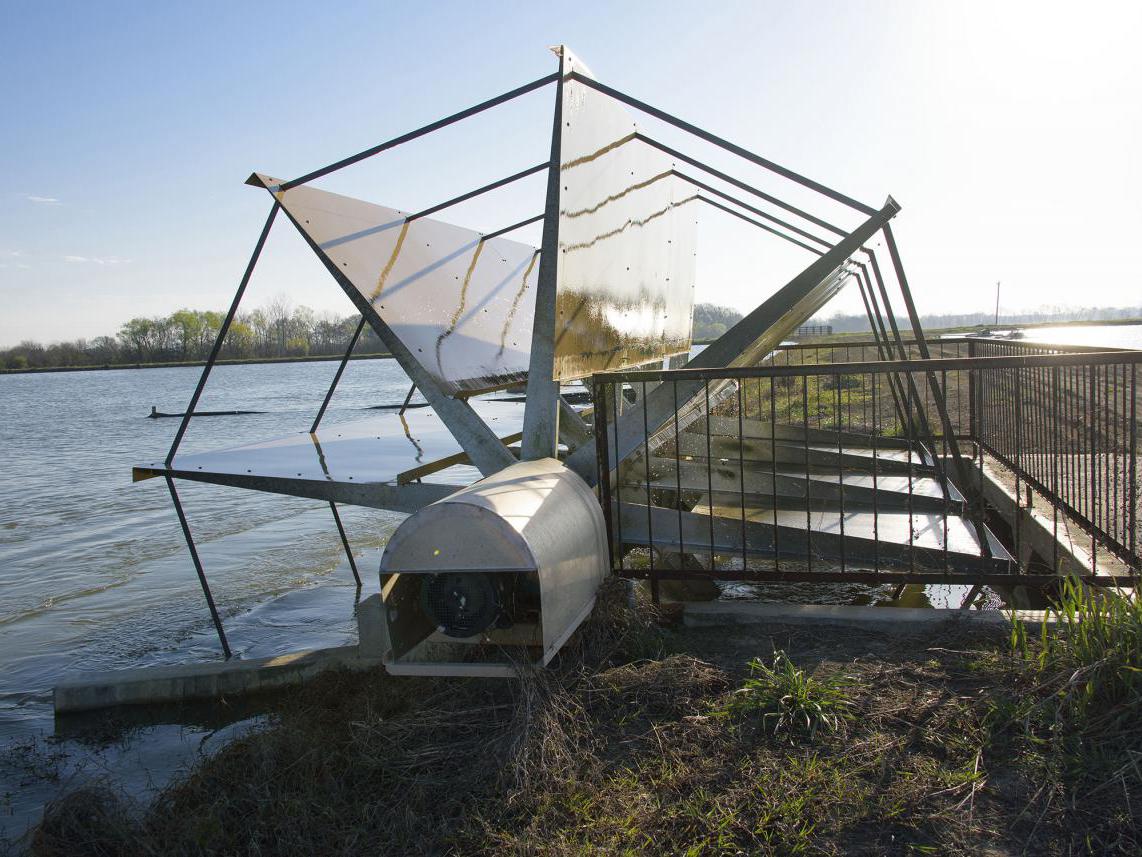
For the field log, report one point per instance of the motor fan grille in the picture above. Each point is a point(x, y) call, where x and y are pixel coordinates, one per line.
point(461, 605)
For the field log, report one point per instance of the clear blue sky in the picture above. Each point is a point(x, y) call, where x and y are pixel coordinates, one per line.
point(1009, 133)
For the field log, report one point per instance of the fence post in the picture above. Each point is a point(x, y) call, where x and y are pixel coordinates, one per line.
point(971, 397)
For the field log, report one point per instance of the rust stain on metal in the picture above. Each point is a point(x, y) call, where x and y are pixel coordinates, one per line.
point(463, 300)
point(388, 269)
point(515, 303)
point(632, 222)
point(617, 196)
point(586, 159)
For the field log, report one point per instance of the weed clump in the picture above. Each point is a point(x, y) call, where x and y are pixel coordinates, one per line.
point(787, 699)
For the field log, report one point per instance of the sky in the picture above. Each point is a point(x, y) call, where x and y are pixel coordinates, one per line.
point(1009, 133)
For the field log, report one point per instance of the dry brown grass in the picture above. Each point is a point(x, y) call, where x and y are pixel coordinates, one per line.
point(619, 749)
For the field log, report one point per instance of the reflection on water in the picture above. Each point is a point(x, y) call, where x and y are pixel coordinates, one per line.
point(1106, 336)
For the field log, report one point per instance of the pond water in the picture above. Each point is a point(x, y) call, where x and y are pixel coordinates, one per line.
point(94, 572)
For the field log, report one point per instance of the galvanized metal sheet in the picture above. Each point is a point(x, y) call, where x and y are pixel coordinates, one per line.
point(463, 305)
point(625, 290)
point(369, 451)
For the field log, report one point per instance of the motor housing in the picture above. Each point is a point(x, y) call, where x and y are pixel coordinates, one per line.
point(497, 575)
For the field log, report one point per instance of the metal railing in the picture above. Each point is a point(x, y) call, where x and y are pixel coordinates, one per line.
point(1069, 432)
point(826, 470)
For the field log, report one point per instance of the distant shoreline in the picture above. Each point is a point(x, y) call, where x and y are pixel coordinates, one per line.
point(233, 361)
point(246, 361)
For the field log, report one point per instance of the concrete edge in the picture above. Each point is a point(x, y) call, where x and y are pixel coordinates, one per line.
point(185, 682)
point(153, 685)
point(715, 613)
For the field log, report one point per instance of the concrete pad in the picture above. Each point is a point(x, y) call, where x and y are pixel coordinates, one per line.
point(152, 685)
point(715, 613)
point(372, 629)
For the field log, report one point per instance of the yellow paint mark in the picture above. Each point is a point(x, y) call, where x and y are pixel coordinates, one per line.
point(388, 269)
point(464, 288)
point(515, 303)
point(632, 222)
point(460, 307)
point(586, 159)
point(615, 196)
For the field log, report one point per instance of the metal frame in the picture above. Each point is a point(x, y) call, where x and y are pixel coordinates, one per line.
point(541, 413)
point(1096, 366)
point(548, 418)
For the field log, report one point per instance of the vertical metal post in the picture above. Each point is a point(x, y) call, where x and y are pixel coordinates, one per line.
point(1055, 451)
point(876, 488)
point(808, 484)
point(345, 543)
point(198, 567)
point(1018, 456)
point(541, 412)
point(337, 375)
point(709, 468)
point(600, 418)
point(649, 500)
point(773, 472)
point(911, 453)
point(741, 474)
point(1092, 493)
point(972, 429)
point(222, 331)
point(617, 388)
point(678, 471)
point(1132, 503)
point(840, 469)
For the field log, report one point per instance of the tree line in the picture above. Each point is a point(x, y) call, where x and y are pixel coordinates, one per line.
point(278, 329)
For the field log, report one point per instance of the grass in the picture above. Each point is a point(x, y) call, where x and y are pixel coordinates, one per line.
point(789, 700)
point(1080, 690)
point(673, 741)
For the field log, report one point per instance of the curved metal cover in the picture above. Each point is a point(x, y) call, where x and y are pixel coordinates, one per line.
point(461, 304)
point(625, 291)
point(532, 516)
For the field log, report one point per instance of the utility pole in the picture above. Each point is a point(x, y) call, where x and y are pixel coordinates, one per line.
point(996, 304)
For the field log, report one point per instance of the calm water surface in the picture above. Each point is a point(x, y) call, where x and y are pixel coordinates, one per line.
point(1107, 336)
point(94, 573)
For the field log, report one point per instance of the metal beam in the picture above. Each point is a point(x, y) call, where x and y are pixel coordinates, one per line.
point(963, 469)
point(420, 132)
point(472, 194)
point(738, 183)
point(395, 498)
point(760, 225)
point(345, 543)
point(572, 430)
point(337, 375)
point(883, 348)
point(222, 331)
point(541, 413)
point(741, 152)
point(763, 214)
point(198, 567)
point(513, 227)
